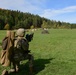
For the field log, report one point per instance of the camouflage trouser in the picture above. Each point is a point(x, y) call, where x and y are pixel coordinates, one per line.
point(30, 57)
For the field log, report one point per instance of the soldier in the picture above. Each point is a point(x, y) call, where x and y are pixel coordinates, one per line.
point(21, 51)
point(7, 52)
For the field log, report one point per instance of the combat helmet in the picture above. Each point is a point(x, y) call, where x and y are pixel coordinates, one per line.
point(20, 32)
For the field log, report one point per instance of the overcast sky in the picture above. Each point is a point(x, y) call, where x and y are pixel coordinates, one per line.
point(59, 10)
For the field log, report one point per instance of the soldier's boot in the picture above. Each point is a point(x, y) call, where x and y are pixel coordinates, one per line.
point(12, 71)
point(17, 68)
point(5, 72)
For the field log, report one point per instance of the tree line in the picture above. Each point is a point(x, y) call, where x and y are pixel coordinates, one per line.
point(11, 19)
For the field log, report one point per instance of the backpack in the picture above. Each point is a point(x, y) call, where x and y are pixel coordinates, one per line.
point(4, 43)
point(21, 44)
point(20, 49)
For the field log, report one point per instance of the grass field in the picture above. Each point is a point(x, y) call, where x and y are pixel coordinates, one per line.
point(54, 53)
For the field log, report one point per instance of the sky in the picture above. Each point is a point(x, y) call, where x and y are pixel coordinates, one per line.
point(59, 10)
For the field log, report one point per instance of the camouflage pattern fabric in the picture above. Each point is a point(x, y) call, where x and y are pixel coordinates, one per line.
point(20, 50)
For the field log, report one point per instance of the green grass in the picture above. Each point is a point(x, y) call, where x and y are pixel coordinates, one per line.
point(54, 53)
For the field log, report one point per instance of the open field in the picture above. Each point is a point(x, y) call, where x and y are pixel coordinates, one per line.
point(54, 53)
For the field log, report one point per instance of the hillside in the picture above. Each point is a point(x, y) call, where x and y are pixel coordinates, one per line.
point(10, 19)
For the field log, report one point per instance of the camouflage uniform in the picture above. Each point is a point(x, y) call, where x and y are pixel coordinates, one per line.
point(7, 52)
point(23, 52)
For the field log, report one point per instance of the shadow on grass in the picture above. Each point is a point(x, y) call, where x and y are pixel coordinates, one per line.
point(0, 43)
point(39, 65)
